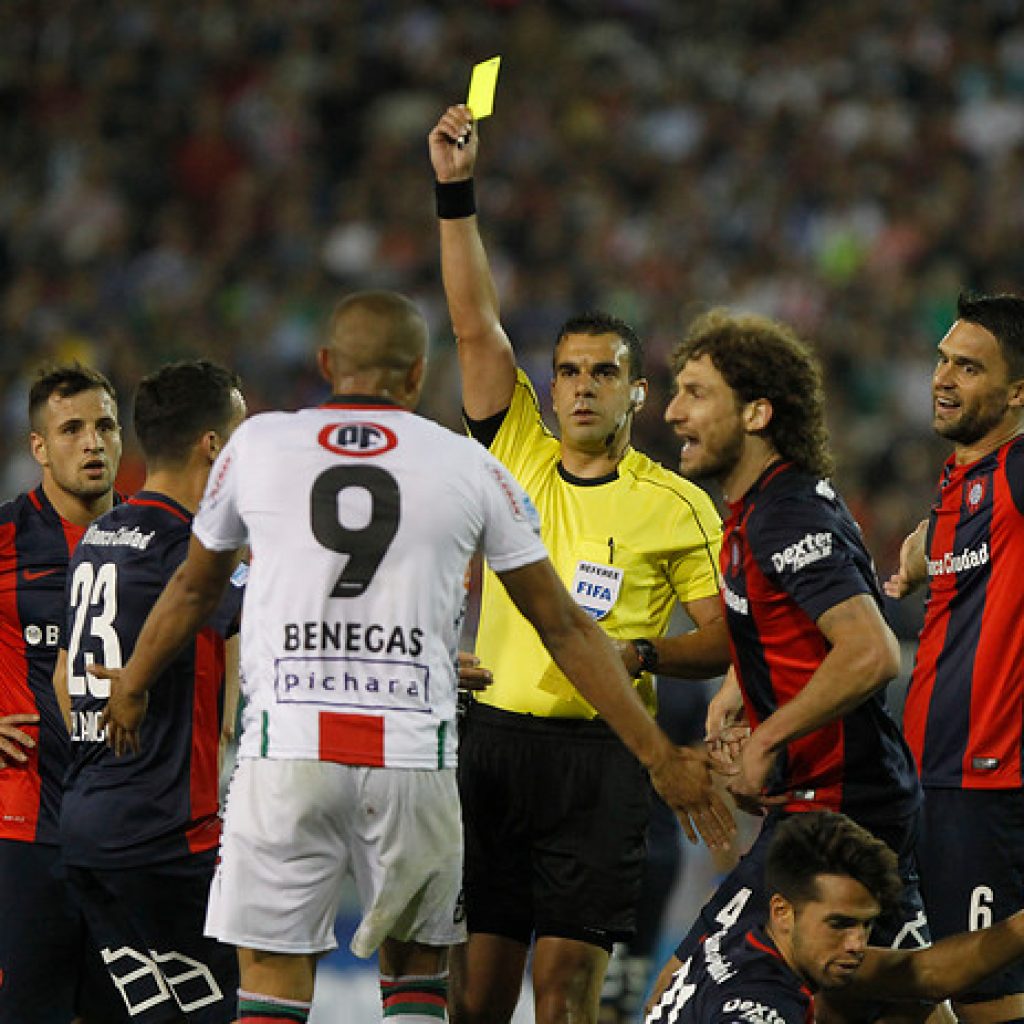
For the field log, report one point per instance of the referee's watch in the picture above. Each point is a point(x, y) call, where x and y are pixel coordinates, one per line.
point(647, 654)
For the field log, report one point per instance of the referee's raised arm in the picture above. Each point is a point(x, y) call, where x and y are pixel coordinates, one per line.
point(486, 358)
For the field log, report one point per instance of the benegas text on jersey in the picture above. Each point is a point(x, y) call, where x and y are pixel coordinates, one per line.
point(390, 682)
point(353, 638)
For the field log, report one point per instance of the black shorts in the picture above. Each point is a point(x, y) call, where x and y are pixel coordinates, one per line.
point(555, 812)
point(148, 922)
point(50, 969)
point(971, 857)
point(742, 896)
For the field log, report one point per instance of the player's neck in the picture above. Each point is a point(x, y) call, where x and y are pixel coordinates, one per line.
point(1005, 431)
point(784, 946)
point(185, 486)
point(74, 508)
point(756, 456)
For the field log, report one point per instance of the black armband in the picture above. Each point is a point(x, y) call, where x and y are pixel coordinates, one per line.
point(455, 199)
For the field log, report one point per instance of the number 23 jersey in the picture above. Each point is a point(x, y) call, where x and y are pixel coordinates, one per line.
point(362, 518)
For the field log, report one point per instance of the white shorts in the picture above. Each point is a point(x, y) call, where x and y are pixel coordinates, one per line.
point(294, 829)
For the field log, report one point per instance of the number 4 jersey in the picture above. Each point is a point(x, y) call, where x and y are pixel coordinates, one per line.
point(362, 518)
point(161, 803)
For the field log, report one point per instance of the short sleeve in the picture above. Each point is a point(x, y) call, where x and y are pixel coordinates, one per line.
point(803, 546)
point(694, 570)
point(218, 524)
point(511, 535)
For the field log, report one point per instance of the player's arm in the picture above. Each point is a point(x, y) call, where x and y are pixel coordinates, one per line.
point(863, 656)
point(60, 686)
point(698, 654)
point(486, 358)
point(913, 570)
point(950, 966)
point(185, 604)
point(232, 651)
point(588, 659)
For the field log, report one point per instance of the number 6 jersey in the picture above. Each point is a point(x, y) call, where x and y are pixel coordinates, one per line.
point(362, 518)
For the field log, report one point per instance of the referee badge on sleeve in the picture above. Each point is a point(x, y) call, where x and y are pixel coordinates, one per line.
point(595, 587)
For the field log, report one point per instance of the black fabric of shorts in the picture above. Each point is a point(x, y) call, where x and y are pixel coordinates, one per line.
point(555, 812)
point(50, 968)
point(971, 857)
point(148, 922)
point(742, 897)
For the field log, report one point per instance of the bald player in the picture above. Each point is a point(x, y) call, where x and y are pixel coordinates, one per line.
point(362, 518)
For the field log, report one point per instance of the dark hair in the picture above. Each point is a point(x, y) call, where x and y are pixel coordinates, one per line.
point(605, 323)
point(825, 843)
point(65, 381)
point(761, 358)
point(1003, 317)
point(178, 403)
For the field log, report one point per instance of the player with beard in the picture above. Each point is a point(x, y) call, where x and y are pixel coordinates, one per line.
point(811, 650)
point(829, 879)
point(48, 968)
point(963, 714)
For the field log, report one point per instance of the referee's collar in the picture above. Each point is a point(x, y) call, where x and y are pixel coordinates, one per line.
point(587, 481)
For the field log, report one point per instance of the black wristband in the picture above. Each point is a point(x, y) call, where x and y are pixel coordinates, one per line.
point(455, 199)
point(647, 655)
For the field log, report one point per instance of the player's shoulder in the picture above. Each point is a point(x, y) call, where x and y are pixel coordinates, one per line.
point(757, 985)
point(794, 493)
point(26, 511)
point(142, 525)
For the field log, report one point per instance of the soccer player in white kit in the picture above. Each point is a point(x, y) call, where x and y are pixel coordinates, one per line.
point(362, 518)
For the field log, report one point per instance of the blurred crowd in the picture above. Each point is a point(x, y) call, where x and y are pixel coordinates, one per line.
point(207, 178)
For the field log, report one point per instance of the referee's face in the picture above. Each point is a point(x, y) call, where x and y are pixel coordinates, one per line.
point(591, 391)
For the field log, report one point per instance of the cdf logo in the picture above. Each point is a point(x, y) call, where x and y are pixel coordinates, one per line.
point(363, 440)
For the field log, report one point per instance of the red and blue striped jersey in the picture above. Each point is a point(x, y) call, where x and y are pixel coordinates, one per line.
point(737, 976)
point(35, 544)
point(161, 803)
point(965, 705)
point(792, 551)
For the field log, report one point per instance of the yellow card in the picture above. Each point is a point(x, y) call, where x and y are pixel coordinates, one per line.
point(481, 87)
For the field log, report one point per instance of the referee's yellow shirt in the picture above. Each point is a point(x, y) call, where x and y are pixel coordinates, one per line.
point(626, 549)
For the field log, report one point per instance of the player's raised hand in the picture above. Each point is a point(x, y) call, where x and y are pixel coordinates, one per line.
point(683, 780)
point(13, 739)
point(453, 145)
point(122, 717)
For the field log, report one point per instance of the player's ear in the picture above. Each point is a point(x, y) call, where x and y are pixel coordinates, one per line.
point(414, 378)
point(323, 363)
point(781, 913)
point(37, 445)
point(1016, 397)
point(757, 415)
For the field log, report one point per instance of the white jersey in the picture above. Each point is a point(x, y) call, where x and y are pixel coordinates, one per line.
point(362, 518)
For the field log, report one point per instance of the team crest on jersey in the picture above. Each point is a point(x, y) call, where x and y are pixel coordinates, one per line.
point(596, 587)
point(975, 495)
point(363, 440)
